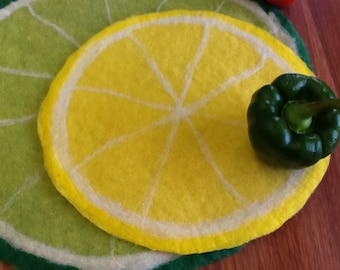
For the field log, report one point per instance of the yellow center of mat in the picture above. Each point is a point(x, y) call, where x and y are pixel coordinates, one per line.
point(144, 131)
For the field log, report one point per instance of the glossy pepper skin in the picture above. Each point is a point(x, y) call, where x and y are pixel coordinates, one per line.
point(274, 141)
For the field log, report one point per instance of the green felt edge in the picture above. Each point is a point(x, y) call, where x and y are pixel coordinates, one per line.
point(25, 261)
point(4, 3)
point(22, 260)
point(191, 262)
point(301, 47)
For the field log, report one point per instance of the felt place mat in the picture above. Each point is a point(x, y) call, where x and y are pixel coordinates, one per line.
point(38, 227)
point(144, 131)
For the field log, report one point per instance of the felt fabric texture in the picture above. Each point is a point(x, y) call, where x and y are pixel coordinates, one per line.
point(23, 260)
point(43, 238)
point(194, 261)
point(26, 261)
point(142, 126)
point(300, 45)
point(4, 3)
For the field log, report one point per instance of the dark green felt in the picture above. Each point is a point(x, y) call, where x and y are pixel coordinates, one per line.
point(191, 262)
point(301, 47)
point(24, 261)
point(4, 3)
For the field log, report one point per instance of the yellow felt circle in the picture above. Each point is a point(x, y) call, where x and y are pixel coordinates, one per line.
point(144, 131)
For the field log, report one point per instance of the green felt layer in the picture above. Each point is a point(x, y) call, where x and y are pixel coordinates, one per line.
point(191, 262)
point(4, 3)
point(301, 47)
point(26, 261)
point(45, 61)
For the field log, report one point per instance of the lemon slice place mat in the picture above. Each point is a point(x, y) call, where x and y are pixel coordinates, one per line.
point(144, 131)
point(30, 204)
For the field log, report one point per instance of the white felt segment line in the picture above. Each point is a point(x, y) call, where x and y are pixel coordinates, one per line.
point(12, 7)
point(165, 120)
point(191, 68)
point(224, 86)
point(161, 4)
point(220, 6)
point(108, 11)
point(143, 260)
point(156, 70)
point(54, 26)
point(15, 121)
point(26, 73)
point(162, 161)
point(209, 158)
point(28, 183)
point(111, 92)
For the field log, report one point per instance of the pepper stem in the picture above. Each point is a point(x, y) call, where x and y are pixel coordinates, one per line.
point(299, 115)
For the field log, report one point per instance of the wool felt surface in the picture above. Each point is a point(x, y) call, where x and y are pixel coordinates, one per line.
point(151, 159)
point(38, 227)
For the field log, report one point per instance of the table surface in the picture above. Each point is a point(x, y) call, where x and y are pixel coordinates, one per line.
point(311, 239)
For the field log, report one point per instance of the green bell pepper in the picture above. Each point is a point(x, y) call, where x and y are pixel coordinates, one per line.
point(294, 121)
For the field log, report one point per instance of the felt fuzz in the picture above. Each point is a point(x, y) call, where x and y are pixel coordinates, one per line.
point(144, 132)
